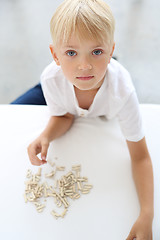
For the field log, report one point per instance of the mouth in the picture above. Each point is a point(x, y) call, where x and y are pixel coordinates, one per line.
point(84, 78)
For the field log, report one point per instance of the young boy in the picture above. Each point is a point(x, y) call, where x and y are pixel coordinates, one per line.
point(85, 81)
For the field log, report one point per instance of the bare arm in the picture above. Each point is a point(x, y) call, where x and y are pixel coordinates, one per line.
point(143, 177)
point(56, 127)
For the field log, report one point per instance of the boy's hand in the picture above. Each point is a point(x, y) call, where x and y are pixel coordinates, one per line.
point(40, 145)
point(142, 229)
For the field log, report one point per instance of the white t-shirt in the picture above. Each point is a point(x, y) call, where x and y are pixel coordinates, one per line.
point(115, 98)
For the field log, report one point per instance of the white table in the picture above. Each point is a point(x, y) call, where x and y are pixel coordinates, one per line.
point(111, 207)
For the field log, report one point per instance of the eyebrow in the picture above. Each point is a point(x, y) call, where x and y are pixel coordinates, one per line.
point(76, 47)
point(69, 46)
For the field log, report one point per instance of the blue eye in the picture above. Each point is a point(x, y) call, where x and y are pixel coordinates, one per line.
point(97, 52)
point(71, 53)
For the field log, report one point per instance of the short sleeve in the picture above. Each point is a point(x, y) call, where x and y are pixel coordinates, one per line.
point(130, 119)
point(53, 98)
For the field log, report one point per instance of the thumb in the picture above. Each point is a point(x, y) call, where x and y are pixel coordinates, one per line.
point(44, 151)
point(131, 236)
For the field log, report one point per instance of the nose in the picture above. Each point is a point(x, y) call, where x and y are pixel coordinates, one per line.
point(84, 64)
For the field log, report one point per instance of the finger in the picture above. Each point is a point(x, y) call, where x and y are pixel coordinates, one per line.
point(44, 152)
point(33, 157)
point(131, 236)
point(35, 160)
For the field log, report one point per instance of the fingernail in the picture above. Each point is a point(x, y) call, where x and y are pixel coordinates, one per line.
point(44, 162)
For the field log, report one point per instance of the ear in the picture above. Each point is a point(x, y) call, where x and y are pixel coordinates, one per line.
point(112, 50)
point(54, 55)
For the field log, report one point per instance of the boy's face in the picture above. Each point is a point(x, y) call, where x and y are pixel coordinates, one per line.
point(84, 63)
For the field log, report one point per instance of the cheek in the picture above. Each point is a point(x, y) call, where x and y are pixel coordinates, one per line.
point(67, 69)
point(102, 66)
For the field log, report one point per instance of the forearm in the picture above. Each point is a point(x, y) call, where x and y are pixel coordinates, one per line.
point(57, 126)
point(142, 174)
point(143, 177)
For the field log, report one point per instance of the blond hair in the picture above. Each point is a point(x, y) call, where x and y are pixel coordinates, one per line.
point(88, 19)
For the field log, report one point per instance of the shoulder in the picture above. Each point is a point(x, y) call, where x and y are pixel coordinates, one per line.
point(52, 76)
point(116, 67)
point(52, 70)
point(119, 79)
point(119, 87)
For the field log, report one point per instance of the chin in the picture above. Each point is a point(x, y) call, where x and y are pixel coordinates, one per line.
point(84, 88)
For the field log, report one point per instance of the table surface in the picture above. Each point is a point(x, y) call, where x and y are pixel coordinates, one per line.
point(111, 207)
